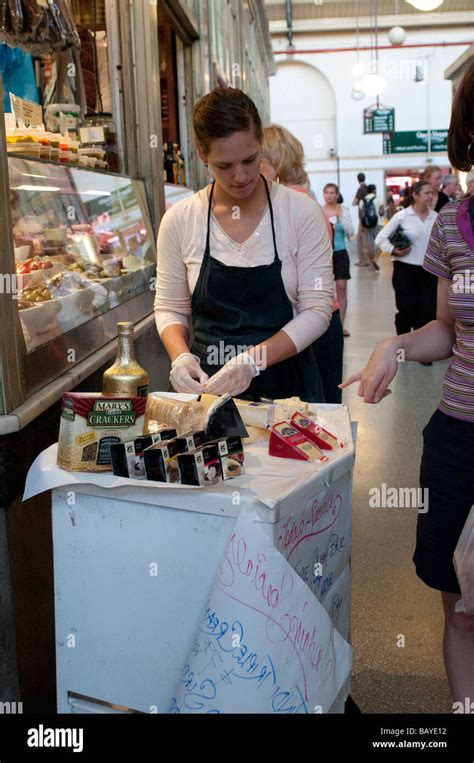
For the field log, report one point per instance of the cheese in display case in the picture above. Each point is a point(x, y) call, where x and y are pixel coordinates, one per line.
point(83, 245)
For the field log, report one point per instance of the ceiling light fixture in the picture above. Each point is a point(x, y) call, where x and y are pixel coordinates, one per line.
point(425, 5)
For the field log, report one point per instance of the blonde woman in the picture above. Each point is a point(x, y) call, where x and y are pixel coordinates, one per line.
point(433, 175)
point(283, 162)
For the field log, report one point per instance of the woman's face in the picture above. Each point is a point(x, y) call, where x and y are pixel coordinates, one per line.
point(425, 197)
point(435, 180)
point(235, 163)
point(330, 195)
point(267, 169)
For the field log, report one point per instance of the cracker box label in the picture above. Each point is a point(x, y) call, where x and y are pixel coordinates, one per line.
point(91, 423)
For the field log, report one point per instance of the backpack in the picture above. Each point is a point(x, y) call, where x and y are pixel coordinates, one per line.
point(369, 217)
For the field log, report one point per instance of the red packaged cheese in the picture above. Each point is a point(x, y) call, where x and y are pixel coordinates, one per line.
point(314, 432)
point(288, 442)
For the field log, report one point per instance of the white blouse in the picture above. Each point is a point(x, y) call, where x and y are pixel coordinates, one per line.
point(303, 247)
point(417, 230)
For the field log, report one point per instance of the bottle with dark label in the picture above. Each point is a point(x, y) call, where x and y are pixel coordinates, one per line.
point(126, 377)
point(170, 163)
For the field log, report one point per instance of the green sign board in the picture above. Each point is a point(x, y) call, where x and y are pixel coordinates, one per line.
point(379, 120)
point(415, 142)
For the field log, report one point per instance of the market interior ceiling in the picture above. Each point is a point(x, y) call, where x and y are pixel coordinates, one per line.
point(341, 14)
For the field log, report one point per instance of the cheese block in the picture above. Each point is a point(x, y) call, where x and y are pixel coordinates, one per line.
point(256, 434)
point(286, 407)
point(255, 414)
point(288, 442)
point(314, 432)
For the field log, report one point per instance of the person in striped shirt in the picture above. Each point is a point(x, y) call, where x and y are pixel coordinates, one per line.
point(447, 465)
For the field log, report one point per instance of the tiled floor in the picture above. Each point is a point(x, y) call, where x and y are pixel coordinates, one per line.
point(390, 604)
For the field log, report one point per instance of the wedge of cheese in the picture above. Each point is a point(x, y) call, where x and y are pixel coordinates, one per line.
point(286, 407)
point(255, 414)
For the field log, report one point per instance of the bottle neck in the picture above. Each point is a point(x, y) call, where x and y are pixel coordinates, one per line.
point(125, 350)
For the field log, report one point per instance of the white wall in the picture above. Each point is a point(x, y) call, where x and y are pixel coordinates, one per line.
point(311, 89)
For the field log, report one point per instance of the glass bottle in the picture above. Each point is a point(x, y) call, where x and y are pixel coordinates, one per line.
point(125, 376)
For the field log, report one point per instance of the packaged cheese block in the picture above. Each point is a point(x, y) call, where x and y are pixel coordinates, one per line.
point(201, 466)
point(184, 417)
point(161, 464)
point(314, 432)
point(232, 458)
point(127, 458)
point(288, 442)
point(286, 407)
point(91, 423)
point(256, 414)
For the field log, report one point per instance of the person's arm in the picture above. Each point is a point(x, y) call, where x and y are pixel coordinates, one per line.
point(432, 342)
point(172, 299)
point(381, 239)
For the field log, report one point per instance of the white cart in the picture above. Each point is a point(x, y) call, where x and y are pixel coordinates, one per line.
point(135, 564)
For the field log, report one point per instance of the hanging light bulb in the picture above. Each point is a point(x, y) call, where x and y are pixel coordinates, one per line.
point(425, 5)
point(397, 35)
point(357, 94)
point(372, 84)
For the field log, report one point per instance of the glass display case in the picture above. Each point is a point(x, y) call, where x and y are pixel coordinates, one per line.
point(85, 258)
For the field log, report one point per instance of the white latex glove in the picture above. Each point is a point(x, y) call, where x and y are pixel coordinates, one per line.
point(186, 374)
point(234, 377)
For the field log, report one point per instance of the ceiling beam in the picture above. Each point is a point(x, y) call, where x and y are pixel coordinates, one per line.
point(425, 20)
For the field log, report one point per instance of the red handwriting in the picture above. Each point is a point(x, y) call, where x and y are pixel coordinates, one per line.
point(294, 532)
point(238, 561)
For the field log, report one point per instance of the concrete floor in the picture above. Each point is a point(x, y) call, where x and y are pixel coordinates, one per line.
point(389, 601)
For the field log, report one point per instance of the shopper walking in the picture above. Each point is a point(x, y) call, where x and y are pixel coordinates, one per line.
point(341, 221)
point(447, 463)
point(361, 193)
point(415, 288)
point(238, 263)
point(433, 176)
point(283, 161)
point(371, 211)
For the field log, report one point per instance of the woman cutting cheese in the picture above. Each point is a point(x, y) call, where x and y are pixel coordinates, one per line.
point(245, 264)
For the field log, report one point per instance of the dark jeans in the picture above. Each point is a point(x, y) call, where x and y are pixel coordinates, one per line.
point(329, 349)
point(415, 296)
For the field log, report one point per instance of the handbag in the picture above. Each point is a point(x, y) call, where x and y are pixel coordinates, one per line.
point(399, 238)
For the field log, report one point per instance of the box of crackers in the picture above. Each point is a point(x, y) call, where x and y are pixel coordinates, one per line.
point(91, 423)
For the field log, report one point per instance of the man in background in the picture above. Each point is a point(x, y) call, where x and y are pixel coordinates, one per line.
point(361, 193)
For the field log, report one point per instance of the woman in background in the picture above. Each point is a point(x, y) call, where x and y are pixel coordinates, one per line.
point(341, 221)
point(433, 175)
point(283, 161)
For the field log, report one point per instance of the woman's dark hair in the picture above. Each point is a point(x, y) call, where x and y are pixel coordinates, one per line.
point(331, 185)
point(222, 112)
point(416, 187)
point(361, 177)
point(461, 128)
point(371, 188)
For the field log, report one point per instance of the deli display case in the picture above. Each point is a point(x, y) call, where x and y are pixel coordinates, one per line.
point(84, 258)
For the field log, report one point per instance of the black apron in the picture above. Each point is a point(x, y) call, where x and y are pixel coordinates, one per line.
point(234, 308)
